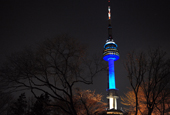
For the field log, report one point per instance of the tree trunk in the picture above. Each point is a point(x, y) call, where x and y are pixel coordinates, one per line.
point(136, 112)
point(150, 111)
point(163, 107)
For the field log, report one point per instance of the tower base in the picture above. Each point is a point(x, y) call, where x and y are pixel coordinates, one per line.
point(112, 99)
point(114, 112)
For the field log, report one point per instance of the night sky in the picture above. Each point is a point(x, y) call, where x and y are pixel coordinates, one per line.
point(137, 25)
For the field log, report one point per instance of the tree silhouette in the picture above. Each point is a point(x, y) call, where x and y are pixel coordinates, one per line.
point(86, 102)
point(41, 107)
point(136, 67)
point(162, 103)
point(55, 68)
point(20, 106)
point(151, 73)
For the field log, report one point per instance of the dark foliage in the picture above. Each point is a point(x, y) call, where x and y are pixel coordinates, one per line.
point(40, 107)
point(19, 107)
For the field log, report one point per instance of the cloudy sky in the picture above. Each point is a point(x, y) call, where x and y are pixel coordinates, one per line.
point(137, 25)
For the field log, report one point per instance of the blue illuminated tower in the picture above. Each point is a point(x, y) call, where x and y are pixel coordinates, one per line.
point(111, 54)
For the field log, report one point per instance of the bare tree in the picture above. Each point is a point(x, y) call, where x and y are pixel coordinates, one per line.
point(89, 103)
point(157, 78)
point(150, 72)
point(136, 68)
point(55, 68)
point(163, 102)
point(86, 102)
point(129, 101)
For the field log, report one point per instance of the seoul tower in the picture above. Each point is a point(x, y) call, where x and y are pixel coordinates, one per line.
point(111, 54)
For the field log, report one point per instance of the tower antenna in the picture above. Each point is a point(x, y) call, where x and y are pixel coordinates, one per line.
point(109, 22)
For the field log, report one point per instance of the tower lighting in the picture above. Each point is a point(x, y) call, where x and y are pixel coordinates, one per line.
point(111, 54)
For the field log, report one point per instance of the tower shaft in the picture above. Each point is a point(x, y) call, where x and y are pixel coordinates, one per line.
point(112, 84)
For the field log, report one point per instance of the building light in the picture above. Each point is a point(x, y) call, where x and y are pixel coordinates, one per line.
point(110, 103)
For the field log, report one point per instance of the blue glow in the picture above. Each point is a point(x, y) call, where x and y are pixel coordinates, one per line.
point(112, 84)
point(113, 56)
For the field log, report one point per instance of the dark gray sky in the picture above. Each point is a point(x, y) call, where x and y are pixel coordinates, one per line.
point(137, 25)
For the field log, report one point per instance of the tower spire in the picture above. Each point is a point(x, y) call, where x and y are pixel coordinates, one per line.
point(109, 22)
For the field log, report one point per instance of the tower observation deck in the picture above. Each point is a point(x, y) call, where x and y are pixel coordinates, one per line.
point(111, 54)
